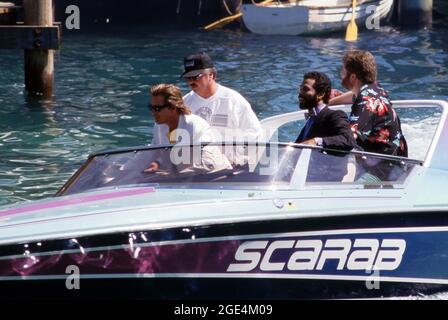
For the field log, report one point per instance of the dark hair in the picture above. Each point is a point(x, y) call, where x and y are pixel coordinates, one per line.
point(362, 64)
point(322, 84)
point(172, 96)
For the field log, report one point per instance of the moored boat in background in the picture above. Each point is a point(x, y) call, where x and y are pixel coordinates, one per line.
point(141, 12)
point(311, 16)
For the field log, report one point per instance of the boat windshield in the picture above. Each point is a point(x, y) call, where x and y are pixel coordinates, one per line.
point(242, 166)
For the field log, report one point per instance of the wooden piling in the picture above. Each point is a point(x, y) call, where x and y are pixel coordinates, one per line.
point(39, 63)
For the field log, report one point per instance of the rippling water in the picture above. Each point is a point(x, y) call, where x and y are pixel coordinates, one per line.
point(102, 80)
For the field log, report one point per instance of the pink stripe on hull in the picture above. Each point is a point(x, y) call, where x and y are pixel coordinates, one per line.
point(76, 201)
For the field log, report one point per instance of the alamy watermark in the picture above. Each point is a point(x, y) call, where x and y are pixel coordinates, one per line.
point(373, 18)
point(225, 150)
point(373, 281)
point(73, 21)
point(72, 282)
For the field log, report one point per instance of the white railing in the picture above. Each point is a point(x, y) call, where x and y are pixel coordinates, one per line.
point(437, 154)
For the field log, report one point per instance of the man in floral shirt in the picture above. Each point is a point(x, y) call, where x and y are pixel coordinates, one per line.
point(374, 123)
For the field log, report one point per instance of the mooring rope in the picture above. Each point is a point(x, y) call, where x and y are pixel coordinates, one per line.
point(224, 2)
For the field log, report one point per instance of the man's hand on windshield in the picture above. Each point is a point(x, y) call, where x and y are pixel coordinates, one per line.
point(152, 168)
point(310, 142)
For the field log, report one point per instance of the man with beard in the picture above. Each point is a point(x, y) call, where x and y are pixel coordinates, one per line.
point(373, 121)
point(325, 127)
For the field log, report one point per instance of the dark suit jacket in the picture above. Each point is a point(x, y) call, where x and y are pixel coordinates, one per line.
point(333, 127)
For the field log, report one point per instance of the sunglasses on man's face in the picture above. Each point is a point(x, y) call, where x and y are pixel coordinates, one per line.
point(195, 78)
point(157, 108)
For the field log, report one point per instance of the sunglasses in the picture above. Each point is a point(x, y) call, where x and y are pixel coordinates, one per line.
point(157, 108)
point(195, 78)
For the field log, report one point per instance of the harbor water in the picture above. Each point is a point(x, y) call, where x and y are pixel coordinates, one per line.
point(102, 80)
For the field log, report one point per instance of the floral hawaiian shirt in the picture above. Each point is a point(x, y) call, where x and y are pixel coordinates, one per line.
point(375, 123)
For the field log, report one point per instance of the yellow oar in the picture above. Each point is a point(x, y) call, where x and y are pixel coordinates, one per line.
point(352, 28)
point(226, 20)
point(222, 21)
point(262, 3)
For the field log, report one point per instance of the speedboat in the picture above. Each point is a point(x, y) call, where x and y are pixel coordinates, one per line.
point(291, 221)
point(312, 16)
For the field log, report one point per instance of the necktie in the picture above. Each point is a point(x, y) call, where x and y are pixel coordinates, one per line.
point(308, 126)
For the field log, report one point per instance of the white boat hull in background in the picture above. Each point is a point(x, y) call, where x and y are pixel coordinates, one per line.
point(310, 17)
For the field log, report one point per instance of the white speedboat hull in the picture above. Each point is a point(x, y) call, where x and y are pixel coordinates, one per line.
point(292, 233)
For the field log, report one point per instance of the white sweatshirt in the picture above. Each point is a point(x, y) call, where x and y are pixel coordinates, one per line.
point(228, 112)
point(191, 129)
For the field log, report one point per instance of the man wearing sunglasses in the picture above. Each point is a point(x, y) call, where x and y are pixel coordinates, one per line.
point(227, 111)
point(176, 124)
point(223, 108)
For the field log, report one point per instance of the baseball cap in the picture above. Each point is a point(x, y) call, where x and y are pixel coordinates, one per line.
point(195, 64)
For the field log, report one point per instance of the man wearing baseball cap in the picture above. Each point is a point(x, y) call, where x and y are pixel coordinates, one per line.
point(223, 108)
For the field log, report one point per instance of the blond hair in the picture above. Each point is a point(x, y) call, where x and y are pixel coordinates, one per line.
point(172, 96)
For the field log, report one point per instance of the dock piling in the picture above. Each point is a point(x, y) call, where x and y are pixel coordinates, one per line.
point(415, 13)
point(39, 63)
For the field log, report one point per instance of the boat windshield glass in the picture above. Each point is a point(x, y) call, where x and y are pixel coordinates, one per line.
point(241, 166)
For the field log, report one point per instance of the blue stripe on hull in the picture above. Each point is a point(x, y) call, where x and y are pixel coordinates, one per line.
point(422, 269)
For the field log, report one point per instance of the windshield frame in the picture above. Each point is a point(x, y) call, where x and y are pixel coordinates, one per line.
point(297, 182)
